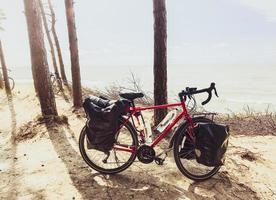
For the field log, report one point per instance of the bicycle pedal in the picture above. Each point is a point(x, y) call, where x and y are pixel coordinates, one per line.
point(159, 161)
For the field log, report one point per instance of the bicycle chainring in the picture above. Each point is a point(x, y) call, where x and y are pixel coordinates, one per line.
point(146, 154)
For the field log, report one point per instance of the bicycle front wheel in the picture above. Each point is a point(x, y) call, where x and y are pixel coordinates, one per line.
point(113, 161)
point(184, 155)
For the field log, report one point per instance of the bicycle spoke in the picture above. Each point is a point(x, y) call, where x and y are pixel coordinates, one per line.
point(117, 160)
point(185, 154)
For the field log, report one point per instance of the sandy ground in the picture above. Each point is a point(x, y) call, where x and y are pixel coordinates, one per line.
point(40, 161)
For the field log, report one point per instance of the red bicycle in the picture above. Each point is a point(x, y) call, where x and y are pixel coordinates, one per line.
point(131, 140)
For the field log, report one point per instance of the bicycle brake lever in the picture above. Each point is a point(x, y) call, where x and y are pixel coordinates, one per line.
point(213, 87)
point(216, 93)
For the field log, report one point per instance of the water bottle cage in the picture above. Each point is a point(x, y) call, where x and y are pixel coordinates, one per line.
point(166, 121)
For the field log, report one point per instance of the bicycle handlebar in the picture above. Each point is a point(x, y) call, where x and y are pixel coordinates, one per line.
point(190, 91)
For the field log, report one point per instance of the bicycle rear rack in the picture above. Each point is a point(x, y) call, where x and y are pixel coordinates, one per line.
point(205, 114)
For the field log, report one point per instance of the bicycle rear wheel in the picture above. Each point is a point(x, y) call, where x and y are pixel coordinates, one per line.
point(184, 155)
point(113, 161)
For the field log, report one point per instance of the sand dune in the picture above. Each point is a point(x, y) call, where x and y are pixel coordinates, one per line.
point(42, 161)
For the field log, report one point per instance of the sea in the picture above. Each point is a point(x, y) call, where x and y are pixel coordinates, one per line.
point(239, 87)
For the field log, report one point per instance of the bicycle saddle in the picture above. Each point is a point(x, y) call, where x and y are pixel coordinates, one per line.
point(131, 95)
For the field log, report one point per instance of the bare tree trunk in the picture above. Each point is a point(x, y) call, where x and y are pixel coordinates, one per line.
point(75, 67)
point(5, 71)
point(40, 67)
point(1, 81)
point(61, 64)
point(52, 50)
point(160, 58)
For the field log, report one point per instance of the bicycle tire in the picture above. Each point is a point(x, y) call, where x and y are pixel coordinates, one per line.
point(101, 169)
point(11, 81)
point(184, 170)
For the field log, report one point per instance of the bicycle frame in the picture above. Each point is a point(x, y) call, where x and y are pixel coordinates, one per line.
point(134, 110)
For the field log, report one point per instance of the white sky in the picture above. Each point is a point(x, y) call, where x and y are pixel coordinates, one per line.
point(206, 32)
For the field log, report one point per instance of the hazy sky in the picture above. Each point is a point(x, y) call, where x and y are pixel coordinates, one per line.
point(240, 32)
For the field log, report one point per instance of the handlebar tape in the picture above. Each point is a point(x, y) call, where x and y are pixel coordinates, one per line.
point(191, 91)
point(208, 99)
point(209, 90)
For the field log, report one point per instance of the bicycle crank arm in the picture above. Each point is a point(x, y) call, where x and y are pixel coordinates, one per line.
point(165, 151)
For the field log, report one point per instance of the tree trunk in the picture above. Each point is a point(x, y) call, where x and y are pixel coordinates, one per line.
point(5, 71)
point(1, 81)
point(75, 67)
point(40, 67)
point(61, 64)
point(160, 58)
point(52, 50)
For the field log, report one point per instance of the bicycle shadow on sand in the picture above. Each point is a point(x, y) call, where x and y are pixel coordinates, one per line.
point(222, 186)
point(138, 183)
point(92, 185)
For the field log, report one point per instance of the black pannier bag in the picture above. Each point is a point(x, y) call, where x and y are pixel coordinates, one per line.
point(103, 118)
point(211, 141)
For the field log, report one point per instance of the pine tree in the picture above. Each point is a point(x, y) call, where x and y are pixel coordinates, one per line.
point(160, 58)
point(5, 71)
point(40, 67)
point(53, 29)
point(73, 42)
point(1, 81)
point(2, 16)
point(52, 50)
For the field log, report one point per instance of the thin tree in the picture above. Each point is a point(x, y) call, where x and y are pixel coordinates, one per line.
point(160, 58)
point(1, 81)
point(5, 71)
point(2, 16)
point(40, 69)
point(52, 50)
point(54, 33)
point(75, 67)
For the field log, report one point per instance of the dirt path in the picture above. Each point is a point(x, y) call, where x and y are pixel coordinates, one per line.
point(44, 163)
